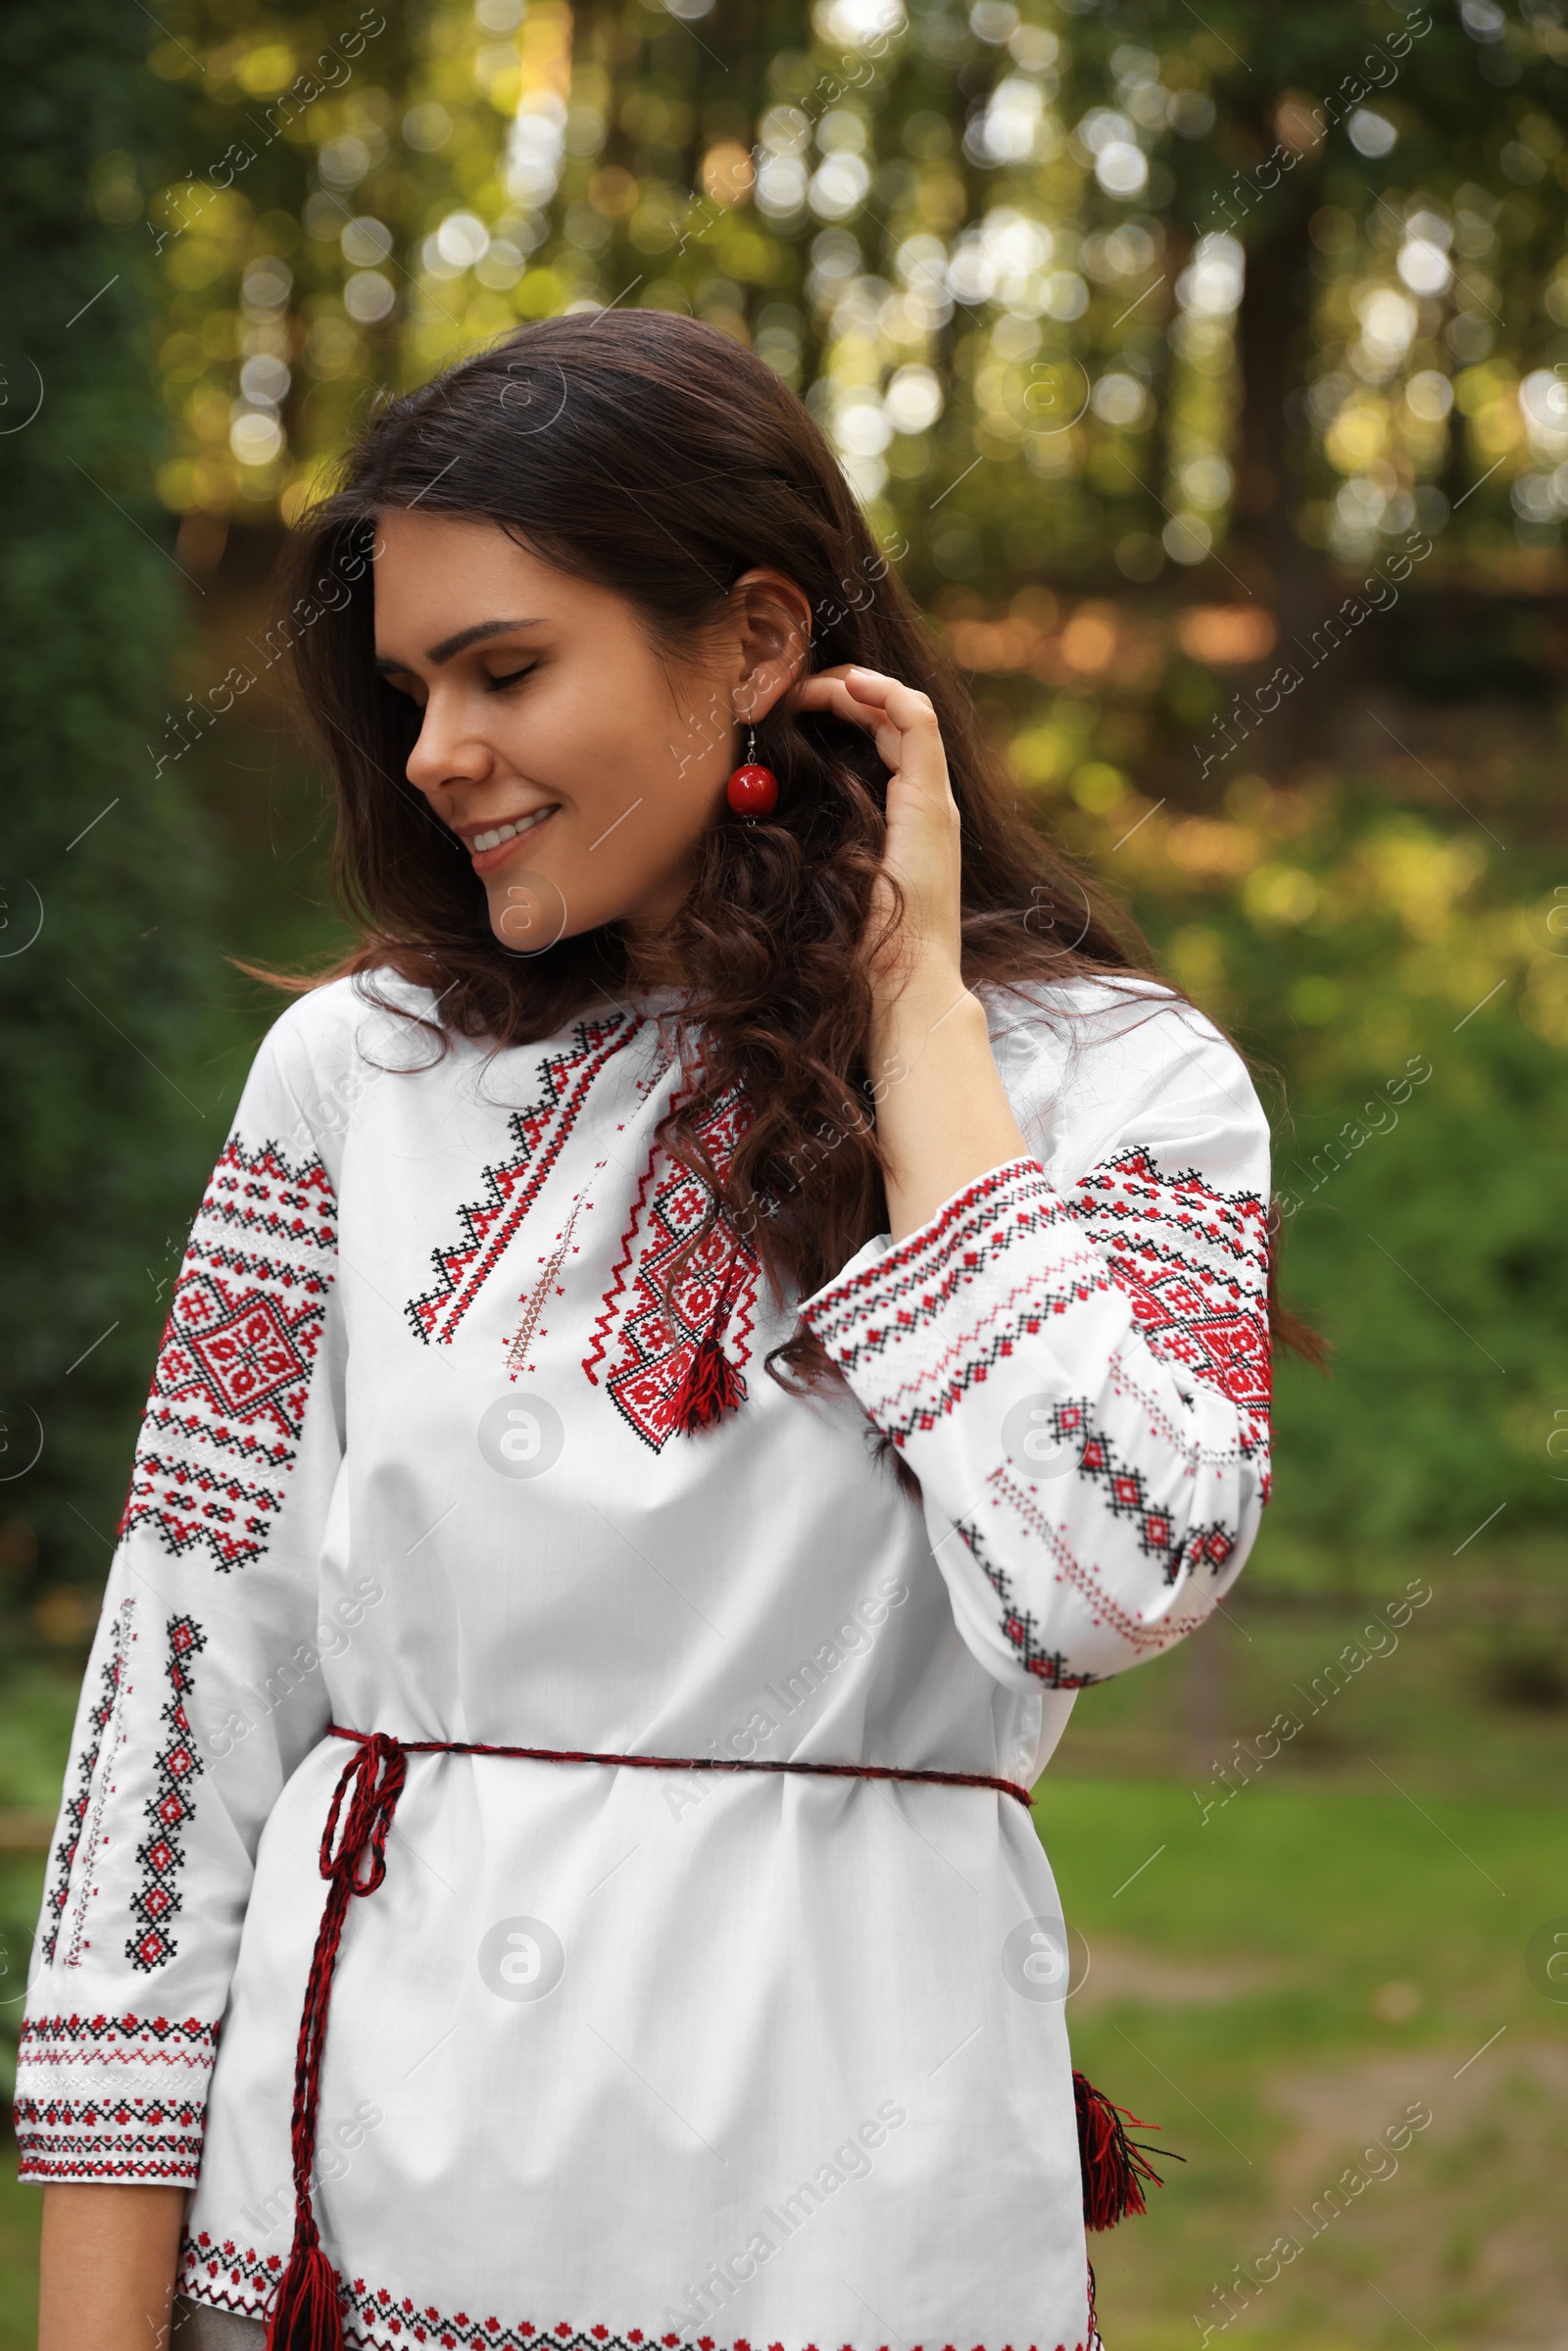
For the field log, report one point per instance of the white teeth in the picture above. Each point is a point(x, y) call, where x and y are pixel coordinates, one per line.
point(509, 832)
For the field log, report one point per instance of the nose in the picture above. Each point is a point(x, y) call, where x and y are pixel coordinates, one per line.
point(450, 749)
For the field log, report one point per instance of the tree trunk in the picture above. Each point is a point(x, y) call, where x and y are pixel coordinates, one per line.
point(1204, 1710)
point(1271, 343)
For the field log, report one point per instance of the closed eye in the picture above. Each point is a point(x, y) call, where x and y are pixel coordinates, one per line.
point(512, 677)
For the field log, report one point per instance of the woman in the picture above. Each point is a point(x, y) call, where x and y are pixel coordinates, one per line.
point(738, 1289)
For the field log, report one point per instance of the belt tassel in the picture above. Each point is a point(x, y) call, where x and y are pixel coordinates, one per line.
point(1114, 2166)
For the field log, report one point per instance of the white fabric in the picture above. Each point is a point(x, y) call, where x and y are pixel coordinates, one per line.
point(618, 2055)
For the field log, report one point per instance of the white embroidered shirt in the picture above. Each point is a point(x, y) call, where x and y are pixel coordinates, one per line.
point(616, 2056)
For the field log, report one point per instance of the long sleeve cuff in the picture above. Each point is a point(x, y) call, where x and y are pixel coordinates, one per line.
point(900, 1322)
point(102, 2098)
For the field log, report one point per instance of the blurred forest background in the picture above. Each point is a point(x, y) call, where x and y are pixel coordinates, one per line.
point(1208, 376)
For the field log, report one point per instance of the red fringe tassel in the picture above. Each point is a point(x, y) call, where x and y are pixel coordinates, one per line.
point(306, 2315)
point(712, 1386)
point(1115, 2167)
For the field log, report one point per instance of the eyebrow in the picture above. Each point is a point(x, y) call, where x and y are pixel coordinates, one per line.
point(460, 642)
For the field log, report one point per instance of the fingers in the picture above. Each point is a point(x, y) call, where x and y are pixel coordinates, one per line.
point(906, 706)
point(828, 690)
point(832, 694)
point(862, 694)
point(903, 720)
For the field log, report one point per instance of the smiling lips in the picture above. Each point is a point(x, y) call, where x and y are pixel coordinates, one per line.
point(509, 832)
point(484, 847)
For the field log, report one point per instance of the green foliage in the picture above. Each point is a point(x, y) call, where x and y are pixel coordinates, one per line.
point(1108, 294)
point(107, 875)
point(1432, 1256)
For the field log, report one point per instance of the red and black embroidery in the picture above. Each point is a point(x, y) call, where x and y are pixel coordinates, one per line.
point(122, 2097)
point(1019, 1624)
point(546, 1285)
point(1192, 1263)
point(1103, 1607)
point(124, 2040)
point(220, 2277)
point(540, 1135)
point(227, 1402)
point(698, 1335)
point(173, 1802)
point(111, 1679)
point(969, 1358)
point(911, 1283)
point(1126, 1495)
point(109, 2138)
point(942, 1290)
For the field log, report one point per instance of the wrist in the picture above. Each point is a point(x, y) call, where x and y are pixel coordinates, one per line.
point(932, 1007)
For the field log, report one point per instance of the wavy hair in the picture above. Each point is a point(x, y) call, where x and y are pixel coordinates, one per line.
point(658, 457)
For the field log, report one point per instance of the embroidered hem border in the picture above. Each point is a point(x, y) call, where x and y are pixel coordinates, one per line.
point(222, 2278)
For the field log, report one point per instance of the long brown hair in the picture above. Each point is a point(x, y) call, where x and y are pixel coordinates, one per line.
point(658, 457)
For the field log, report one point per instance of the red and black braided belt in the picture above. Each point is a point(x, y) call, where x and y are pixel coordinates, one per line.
point(305, 2313)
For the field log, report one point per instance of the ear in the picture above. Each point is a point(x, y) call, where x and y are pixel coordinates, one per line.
point(771, 617)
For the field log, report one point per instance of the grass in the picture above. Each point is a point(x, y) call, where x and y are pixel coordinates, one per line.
point(1277, 1986)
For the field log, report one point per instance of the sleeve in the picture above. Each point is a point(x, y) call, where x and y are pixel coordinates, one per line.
point(203, 1689)
point(1077, 1369)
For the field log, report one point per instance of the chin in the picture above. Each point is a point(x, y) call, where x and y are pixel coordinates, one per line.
point(530, 910)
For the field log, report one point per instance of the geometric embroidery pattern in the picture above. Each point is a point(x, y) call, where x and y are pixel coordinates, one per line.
point(960, 1257)
point(173, 1802)
point(220, 2276)
point(1124, 1490)
point(228, 1396)
point(540, 1134)
point(117, 2041)
point(662, 1322)
point(120, 2097)
point(1104, 1608)
point(111, 1676)
point(1192, 1263)
point(112, 2138)
point(1019, 1624)
point(921, 1327)
point(918, 1276)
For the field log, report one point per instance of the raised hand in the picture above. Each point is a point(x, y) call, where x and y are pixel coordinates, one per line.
point(915, 971)
point(942, 1114)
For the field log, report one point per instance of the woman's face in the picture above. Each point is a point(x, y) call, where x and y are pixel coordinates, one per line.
point(576, 767)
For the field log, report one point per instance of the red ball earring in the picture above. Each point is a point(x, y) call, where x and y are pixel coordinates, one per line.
point(752, 791)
